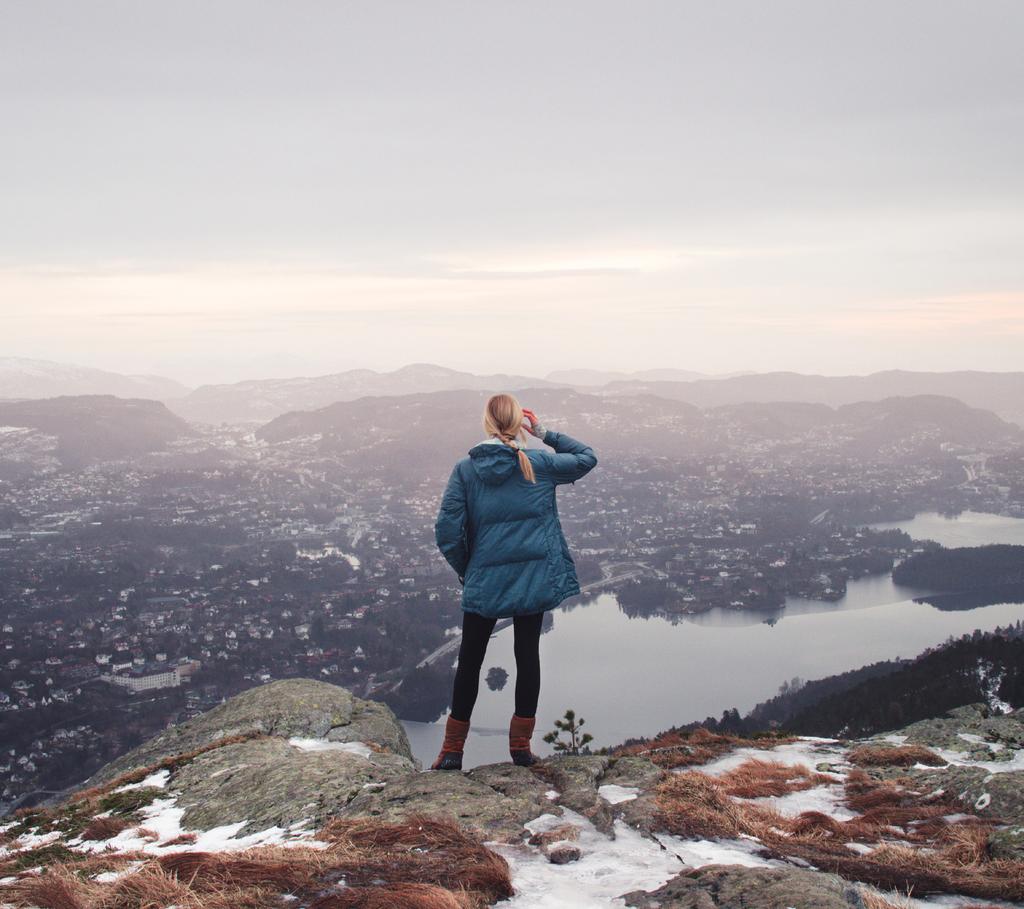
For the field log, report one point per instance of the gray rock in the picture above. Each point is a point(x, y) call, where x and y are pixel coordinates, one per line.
point(733, 887)
point(1007, 843)
point(466, 798)
point(267, 782)
point(302, 708)
point(970, 712)
point(632, 770)
point(974, 719)
point(374, 722)
point(576, 779)
point(643, 774)
point(514, 782)
point(991, 795)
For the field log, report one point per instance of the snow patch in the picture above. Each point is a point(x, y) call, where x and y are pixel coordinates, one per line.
point(360, 748)
point(805, 752)
point(157, 780)
point(162, 818)
point(610, 867)
point(824, 799)
point(960, 759)
point(35, 840)
point(615, 794)
point(978, 740)
point(990, 683)
point(607, 869)
point(698, 853)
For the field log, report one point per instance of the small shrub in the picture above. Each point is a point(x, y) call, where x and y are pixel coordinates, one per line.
point(571, 726)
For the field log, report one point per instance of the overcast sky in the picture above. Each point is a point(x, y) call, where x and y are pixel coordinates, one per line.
point(216, 190)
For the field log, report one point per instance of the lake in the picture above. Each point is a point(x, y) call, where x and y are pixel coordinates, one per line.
point(635, 677)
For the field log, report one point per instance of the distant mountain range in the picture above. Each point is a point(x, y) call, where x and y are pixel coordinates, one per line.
point(260, 400)
point(425, 429)
point(264, 399)
point(420, 432)
point(92, 428)
point(584, 377)
point(22, 378)
point(1000, 392)
point(869, 423)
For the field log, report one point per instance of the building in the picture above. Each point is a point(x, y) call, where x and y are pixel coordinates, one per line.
point(165, 677)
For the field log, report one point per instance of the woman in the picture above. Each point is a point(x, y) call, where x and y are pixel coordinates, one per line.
point(498, 528)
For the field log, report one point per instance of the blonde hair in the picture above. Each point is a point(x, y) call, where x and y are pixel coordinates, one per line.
point(503, 419)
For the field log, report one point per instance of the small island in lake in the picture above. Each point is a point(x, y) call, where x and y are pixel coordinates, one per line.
point(963, 568)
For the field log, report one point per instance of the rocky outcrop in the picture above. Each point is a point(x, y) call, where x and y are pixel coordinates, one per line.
point(494, 800)
point(300, 708)
point(575, 778)
point(298, 753)
point(1007, 843)
point(975, 720)
point(750, 888)
point(268, 782)
point(298, 759)
point(990, 795)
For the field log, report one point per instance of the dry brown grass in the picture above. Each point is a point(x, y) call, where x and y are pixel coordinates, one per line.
point(420, 850)
point(865, 793)
point(212, 872)
point(153, 888)
point(103, 828)
point(60, 890)
point(689, 749)
point(944, 858)
point(872, 899)
point(894, 756)
point(422, 862)
point(405, 896)
point(694, 804)
point(756, 779)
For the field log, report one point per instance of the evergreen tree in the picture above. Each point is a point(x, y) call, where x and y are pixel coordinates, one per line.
point(571, 726)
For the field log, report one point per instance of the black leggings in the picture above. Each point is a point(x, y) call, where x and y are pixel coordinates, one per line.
point(476, 632)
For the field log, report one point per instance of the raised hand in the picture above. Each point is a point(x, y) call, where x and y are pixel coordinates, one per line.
point(535, 428)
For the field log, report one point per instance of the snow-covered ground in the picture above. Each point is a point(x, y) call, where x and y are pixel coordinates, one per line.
point(805, 752)
point(609, 867)
point(631, 861)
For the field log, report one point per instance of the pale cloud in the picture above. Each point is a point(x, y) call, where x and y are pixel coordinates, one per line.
point(318, 186)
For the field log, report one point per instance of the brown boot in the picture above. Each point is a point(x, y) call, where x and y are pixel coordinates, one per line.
point(450, 758)
point(520, 729)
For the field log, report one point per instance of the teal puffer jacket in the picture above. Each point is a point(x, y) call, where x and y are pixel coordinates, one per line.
point(501, 533)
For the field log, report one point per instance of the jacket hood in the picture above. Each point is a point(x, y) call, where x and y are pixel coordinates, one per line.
point(493, 462)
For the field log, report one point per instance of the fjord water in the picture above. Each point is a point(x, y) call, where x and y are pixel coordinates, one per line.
point(634, 677)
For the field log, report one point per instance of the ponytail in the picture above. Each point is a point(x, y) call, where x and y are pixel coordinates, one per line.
point(526, 467)
point(524, 459)
point(503, 418)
